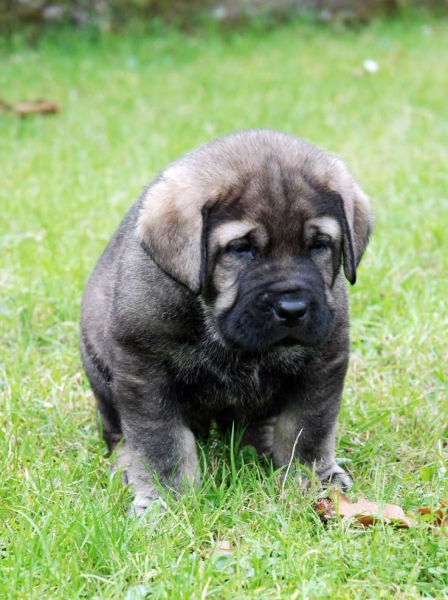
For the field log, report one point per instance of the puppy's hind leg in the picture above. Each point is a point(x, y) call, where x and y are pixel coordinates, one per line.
point(260, 435)
point(109, 426)
point(100, 378)
point(108, 421)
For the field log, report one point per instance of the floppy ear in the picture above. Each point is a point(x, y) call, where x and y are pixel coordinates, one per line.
point(171, 225)
point(357, 225)
point(355, 217)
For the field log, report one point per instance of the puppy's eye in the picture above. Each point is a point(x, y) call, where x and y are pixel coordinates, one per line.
point(241, 248)
point(320, 244)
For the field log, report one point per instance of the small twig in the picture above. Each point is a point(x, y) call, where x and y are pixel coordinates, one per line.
point(290, 463)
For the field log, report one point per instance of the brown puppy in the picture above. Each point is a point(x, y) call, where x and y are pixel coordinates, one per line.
point(222, 296)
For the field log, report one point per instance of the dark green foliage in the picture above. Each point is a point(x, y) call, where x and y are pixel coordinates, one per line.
point(34, 15)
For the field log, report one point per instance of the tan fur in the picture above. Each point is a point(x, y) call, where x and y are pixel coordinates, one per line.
point(356, 204)
point(170, 222)
point(226, 272)
point(234, 230)
point(190, 465)
point(327, 226)
point(226, 298)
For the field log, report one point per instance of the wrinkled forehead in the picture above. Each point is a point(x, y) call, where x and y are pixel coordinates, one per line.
point(281, 206)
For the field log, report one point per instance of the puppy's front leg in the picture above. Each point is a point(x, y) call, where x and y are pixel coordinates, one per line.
point(158, 447)
point(305, 429)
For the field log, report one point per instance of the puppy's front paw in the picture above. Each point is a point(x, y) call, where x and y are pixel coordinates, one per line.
point(144, 505)
point(337, 477)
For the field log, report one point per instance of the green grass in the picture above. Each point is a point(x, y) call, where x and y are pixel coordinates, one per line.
point(129, 105)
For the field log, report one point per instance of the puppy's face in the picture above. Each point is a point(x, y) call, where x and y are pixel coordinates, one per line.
point(258, 224)
point(271, 266)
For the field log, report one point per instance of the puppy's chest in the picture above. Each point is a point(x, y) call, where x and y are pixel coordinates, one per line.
point(243, 387)
point(237, 386)
point(218, 380)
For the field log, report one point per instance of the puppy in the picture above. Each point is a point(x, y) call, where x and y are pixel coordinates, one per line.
point(221, 297)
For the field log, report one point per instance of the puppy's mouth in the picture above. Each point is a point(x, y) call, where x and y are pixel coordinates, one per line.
point(245, 346)
point(286, 342)
point(258, 345)
point(303, 323)
point(245, 337)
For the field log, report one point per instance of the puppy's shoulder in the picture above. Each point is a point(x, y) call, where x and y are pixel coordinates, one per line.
point(141, 297)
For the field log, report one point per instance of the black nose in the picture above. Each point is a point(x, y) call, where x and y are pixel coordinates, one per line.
point(291, 311)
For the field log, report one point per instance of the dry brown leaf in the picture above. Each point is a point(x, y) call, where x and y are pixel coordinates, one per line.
point(425, 510)
point(324, 509)
point(36, 107)
point(439, 518)
point(367, 513)
point(39, 107)
point(397, 516)
point(363, 511)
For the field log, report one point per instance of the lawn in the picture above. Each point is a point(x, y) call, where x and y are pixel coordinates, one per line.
point(129, 105)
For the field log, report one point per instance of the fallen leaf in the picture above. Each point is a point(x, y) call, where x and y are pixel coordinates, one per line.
point(36, 107)
point(367, 513)
point(397, 516)
point(364, 511)
point(437, 517)
point(425, 510)
point(325, 509)
point(345, 508)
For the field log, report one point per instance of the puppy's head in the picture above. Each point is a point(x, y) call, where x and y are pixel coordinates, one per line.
point(258, 224)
